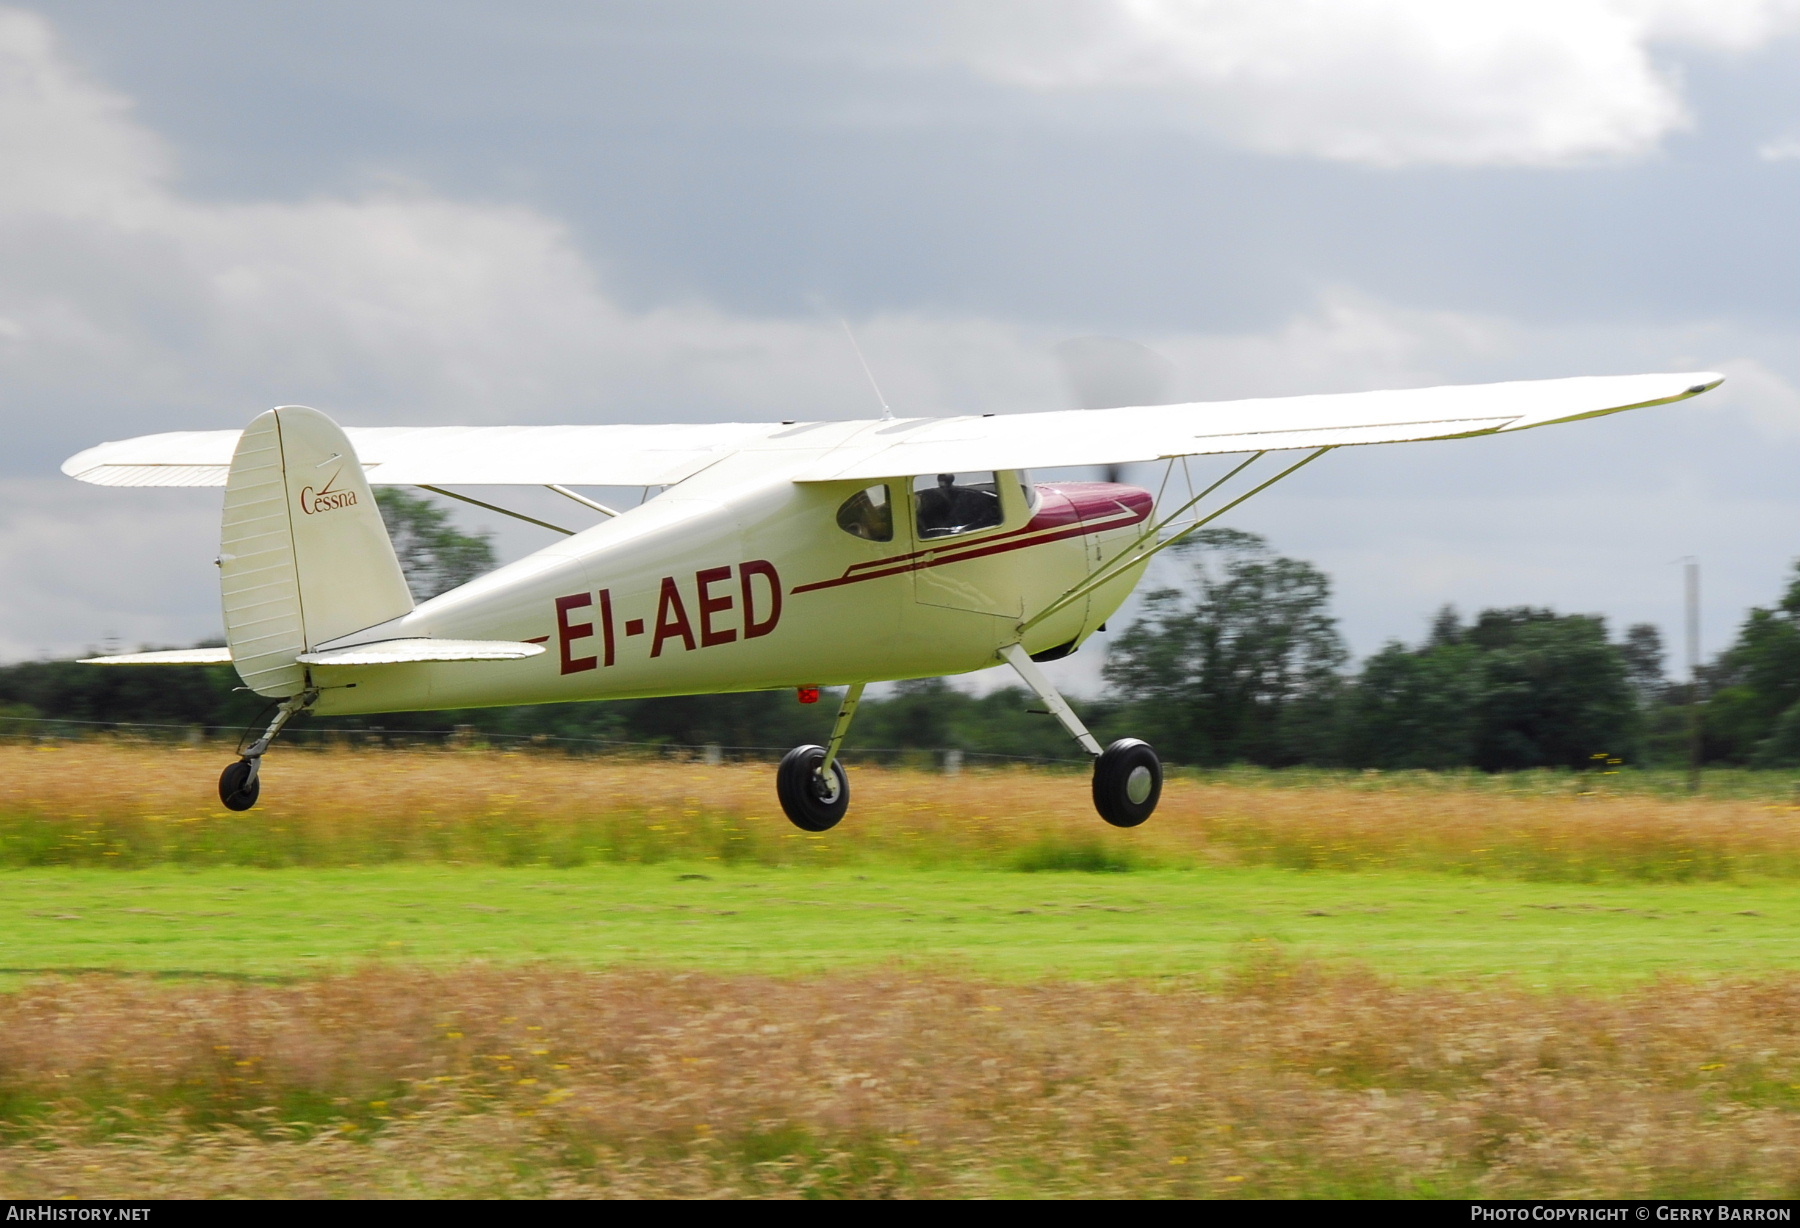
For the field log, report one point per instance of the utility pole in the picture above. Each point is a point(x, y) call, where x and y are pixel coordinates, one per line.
point(1691, 568)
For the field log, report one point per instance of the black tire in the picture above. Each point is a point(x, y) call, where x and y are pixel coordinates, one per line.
point(238, 788)
point(1127, 782)
point(811, 802)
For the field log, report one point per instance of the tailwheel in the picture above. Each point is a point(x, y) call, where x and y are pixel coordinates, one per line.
point(1127, 782)
point(814, 800)
point(239, 785)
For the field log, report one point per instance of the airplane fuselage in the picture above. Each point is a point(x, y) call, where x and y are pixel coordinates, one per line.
point(740, 580)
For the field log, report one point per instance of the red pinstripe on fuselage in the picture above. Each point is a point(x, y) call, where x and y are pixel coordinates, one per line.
point(1065, 510)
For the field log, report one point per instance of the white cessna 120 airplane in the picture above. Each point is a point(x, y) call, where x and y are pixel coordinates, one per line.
point(791, 554)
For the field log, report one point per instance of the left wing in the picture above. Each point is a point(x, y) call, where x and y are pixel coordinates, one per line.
point(1156, 432)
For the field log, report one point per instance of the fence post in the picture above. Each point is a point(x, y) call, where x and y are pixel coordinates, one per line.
point(953, 761)
point(714, 754)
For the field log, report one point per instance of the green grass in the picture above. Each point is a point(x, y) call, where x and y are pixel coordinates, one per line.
point(240, 922)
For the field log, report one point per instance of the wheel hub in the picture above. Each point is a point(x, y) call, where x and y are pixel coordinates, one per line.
point(1137, 785)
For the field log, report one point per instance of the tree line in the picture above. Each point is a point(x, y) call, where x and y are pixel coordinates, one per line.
point(1242, 662)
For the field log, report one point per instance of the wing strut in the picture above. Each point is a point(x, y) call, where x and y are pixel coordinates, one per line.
point(1137, 551)
point(542, 524)
point(566, 493)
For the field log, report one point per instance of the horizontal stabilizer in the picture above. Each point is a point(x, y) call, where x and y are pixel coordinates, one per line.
point(178, 656)
point(395, 652)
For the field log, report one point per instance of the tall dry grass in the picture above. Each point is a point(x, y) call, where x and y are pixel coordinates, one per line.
point(539, 1082)
point(118, 804)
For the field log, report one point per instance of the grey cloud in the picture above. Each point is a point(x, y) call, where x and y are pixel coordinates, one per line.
point(469, 212)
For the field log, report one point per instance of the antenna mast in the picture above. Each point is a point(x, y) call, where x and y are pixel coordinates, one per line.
point(886, 413)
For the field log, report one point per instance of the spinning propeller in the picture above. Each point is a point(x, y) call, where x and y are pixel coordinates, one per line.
point(1108, 372)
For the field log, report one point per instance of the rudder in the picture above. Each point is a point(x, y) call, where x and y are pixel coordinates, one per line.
point(304, 556)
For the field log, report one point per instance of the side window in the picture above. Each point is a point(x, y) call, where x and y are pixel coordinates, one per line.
point(951, 503)
point(868, 514)
point(1029, 489)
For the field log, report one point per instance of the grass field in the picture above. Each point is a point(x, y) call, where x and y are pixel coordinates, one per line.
point(472, 973)
point(1412, 925)
point(1277, 1081)
point(121, 805)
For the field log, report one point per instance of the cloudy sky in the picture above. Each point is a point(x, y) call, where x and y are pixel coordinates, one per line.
point(464, 212)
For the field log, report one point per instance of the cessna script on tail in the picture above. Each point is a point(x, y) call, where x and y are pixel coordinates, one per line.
point(778, 555)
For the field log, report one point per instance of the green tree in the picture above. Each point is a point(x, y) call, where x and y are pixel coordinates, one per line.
point(1243, 667)
point(1643, 652)
point(1751, 715)
point(1556, 693)
point(163, 695)
point(1415, 709)
point(1517, 688)
point(434, 554)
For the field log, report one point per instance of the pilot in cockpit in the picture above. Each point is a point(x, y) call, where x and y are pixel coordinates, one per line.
point(948, 508)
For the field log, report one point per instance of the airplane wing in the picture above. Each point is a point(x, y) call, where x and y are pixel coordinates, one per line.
point(662, 455)
point(1156, 432)
point(445, 455)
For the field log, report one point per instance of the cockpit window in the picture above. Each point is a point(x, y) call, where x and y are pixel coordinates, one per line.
point(868, 514)
point(951, 503)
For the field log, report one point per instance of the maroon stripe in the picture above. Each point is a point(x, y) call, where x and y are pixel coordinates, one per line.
point(1069, 512)
point(1003, 544)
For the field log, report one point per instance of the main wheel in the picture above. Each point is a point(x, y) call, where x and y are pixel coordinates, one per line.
point(1127, 782)
point(239, 786)
point(814, 801)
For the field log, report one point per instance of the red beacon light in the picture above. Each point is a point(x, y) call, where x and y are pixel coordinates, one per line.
point(807, 694)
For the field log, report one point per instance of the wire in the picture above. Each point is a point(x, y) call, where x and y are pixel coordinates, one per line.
point(886, 413)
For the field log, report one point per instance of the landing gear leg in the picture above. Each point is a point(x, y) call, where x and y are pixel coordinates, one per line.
point(1127, 774)
point(811, 782)
point(240, 784)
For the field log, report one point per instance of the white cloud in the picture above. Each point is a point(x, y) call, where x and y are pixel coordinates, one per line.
point(121, 294)
point(83, 572)
point(1383, 82)
point(1346, 342)
point(67, 145)
point(128, 306)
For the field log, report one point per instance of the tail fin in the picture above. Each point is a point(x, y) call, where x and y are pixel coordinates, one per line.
point(304, 555)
